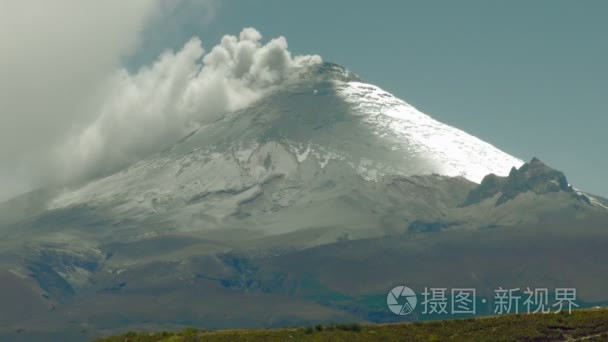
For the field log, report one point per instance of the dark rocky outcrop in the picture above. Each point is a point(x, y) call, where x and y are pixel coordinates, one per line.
point(534, 176)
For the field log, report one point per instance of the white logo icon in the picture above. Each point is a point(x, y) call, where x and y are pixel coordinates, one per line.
point(401, 300)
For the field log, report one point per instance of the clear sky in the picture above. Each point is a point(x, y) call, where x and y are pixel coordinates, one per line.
point(527, 76)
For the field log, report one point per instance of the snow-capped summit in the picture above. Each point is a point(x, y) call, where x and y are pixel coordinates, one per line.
point(405, 129)
point(448, 150)
point(321, 125)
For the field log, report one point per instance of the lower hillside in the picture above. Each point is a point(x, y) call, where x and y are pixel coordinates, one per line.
point(581, 325)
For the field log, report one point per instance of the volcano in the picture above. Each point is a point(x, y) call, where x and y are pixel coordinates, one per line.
point(308, 205)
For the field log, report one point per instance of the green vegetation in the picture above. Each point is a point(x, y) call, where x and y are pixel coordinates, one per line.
point(584, 325)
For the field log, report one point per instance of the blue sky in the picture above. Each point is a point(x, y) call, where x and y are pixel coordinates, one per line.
point(527, 76)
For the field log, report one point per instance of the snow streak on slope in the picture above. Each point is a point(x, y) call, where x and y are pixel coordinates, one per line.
point(456, 152)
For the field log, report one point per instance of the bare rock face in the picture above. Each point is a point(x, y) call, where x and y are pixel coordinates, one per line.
point(534, 176)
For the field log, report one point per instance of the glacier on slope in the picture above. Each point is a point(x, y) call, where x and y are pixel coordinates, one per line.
point(456, 153)
point(322, 127)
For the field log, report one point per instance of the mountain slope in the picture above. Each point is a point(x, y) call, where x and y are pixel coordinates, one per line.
point(325, 179)
point(321, 135)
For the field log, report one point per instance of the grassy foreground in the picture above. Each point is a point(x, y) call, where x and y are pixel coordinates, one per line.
point(582, 325)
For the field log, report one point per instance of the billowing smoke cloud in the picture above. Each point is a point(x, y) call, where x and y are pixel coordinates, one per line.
point(54, 55)
point(136, 114)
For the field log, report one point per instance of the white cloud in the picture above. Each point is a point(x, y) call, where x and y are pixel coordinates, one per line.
point(145, 112)
point(54, 56)
point(70, 110)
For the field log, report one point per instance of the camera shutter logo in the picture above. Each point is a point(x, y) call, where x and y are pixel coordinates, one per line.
point(401, 300)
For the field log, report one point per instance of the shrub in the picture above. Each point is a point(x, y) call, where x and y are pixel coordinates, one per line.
point(356, 327)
